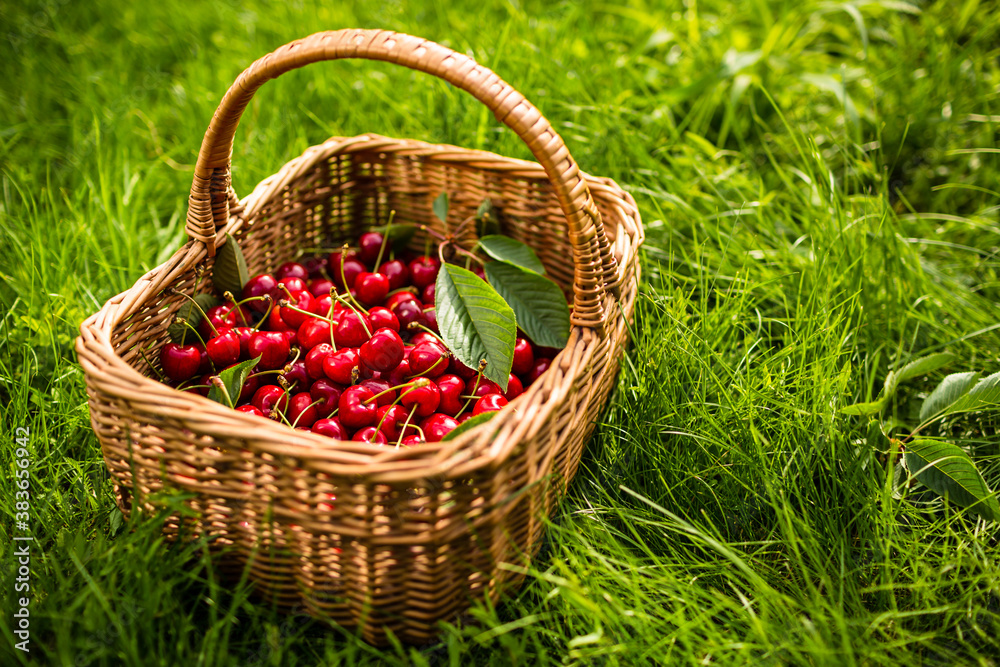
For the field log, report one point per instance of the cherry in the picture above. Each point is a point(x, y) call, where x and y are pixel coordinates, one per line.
point(224, 349)
point(393, 300)
point(292, 284)
point(369, 246)
point(438, 425)
point(201, 386)
point(291, 270)
point(332, 428)
point(355, 412)
point(430, 314)
point(294, 317)
point(315, 358)
point(541, 365)
point(329, 393)
point(411, 440)
point(372, 288)
point(426, 337)
point(383, 351)
point(396, 272)
point(380, 317)
point(250, 410)
point(351, 331)
point(514, 388)
point(292, 336)
point(333, 262)
point(524, 357)
point(392, 418)
point(384, 392)
point(301, 411)
point(428, 359)
point(245, 333)
point(314, 266)
point(464, 417)
point(339, 365)
point(322, 305)
point(314, 331)
point(238, 317)
point(366, 372)
point(423, 271)
point(408, 312)
point(489, 403)
point(483, 387)
point(461, 370)
point(249, 388)
point(275, 322)
point(180, 362)
point(451, 387)
point(297, 375)
point(370, 434)
point(427, 295)
point(206, 361)
point(424, 394)
point(258, 286)
point(272, 347)
point(214, 321)
point(268, 398)
point(400, 374)
point(320, 286)
point(351, 270)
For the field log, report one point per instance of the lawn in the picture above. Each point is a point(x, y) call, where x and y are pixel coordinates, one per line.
point(819, 187)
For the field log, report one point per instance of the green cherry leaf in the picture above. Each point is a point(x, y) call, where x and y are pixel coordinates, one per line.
point(178, 331)
point(538, 303)
point(506, 249)
point(441, 207)
point(948, 471)
point(232, 379)
point(952, 388)
point(468, 425)
point(229, 274)
point(475, 322)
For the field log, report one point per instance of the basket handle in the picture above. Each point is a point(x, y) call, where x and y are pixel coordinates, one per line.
point(595, 267)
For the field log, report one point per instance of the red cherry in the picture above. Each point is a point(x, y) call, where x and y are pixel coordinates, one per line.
point(451, 387)
point(489, 403)
point(464, 417)
point(370, 434)
point(272, 347)
point(314, 266)
point(524, 357)
point(291, 284)
point(514, 388)
point(426, 337)
point(320, 287)
point(322, 305)
point(393, 300)
point(292, 336)
point(297, 375)
point(396, 272)
point(392, 418)
point(428, 360)
point(380, 318)
point(205, 366)
point(294, 317)
point(411, 440)
point(437, 426)
point(180, 362)
point(329, 393)
point(430, 314)
point(369, 246)
point(201, 386)
point(245, 334)
point(250, 410)
point(333, 261)
point(291, 270)
point(339, 365)
point(372, 288)
point(355, 412)
point(275, 321)
point(301, 411)
point(400, 374)
point(408, 312)
point(383, 351)
point(215, 320)
point(314, 331)
point(483, 387)
point(351, 331)
point(461, 370)
point(224, 349)
point(331, 428)
point(366, 372)
point(383, 391)
point(315, 358)
point(427, 295)
point(541, 365)
point(423, 271)
point(249, 388)
point(351, 270)
point(239, 317)
point(426, 396)
point(258, 286)
point(270, 397)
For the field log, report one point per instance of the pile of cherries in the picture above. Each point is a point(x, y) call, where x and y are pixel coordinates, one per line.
point(348, 348)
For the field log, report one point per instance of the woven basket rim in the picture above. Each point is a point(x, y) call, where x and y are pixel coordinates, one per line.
point(467, 452)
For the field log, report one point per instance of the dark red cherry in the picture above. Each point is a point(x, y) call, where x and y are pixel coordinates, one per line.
point(339, 366)
point(314, 331)
point(408, 312)
point(481, 388)
point(438, 425)
point(372, 288)
point(224, 349)
point(524, 357)
point(370, 434)
point(352, 330)
point(426, 337)
point(396, 272)
point(400, 374)
point(328, 393)
point(541, 365)
point(291, 270)
point(383, 351)
point(297, 376)
point(356, 410)
point(452, 387)
point(245, 334)
point(423, 271)
point(331, 428)
point(427, 295)
point(393, 300)
point(239, 317)
point(424, 394)
point(314, 266)
point(320, 286)
point(369, 246)
point(201, 386)
point(347, 274)
point(258, 286)
point(215, 320)
point(315, 358)
point(180, 362)
point(272, 347)
point(270, 397)
point(428, 360)
point(489, 403)
point(333, 261)
point(206, 361)
point(379, 318)
point(514, 388)
point(384, 392)
point(249, 388)
point(461, 370)
point(430, 315)
point(301, 411)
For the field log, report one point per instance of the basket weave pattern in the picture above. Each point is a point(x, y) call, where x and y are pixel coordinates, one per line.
point(370, 536)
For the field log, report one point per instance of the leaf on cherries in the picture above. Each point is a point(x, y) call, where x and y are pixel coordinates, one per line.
point(469, 424)
point(232, 381)
point(193, 315)
point(506, 249)
point(230, 274)
point(475, 322)
point(539, 305)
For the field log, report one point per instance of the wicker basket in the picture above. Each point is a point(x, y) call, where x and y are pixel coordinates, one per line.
point(372, 537)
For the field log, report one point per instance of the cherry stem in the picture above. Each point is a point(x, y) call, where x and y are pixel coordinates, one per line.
point(406, 424)
point(461, 225)
point(160, 375)
point(413, 384)
point(412, 326)
point(284, 303)
point(385, 239)
point(190, 326)
point(237, 304)
point(465, 253)
point(362, 314)
point(267, 313)
point(479, 377)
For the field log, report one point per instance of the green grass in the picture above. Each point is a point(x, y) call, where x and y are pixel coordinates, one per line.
point(819, 183)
